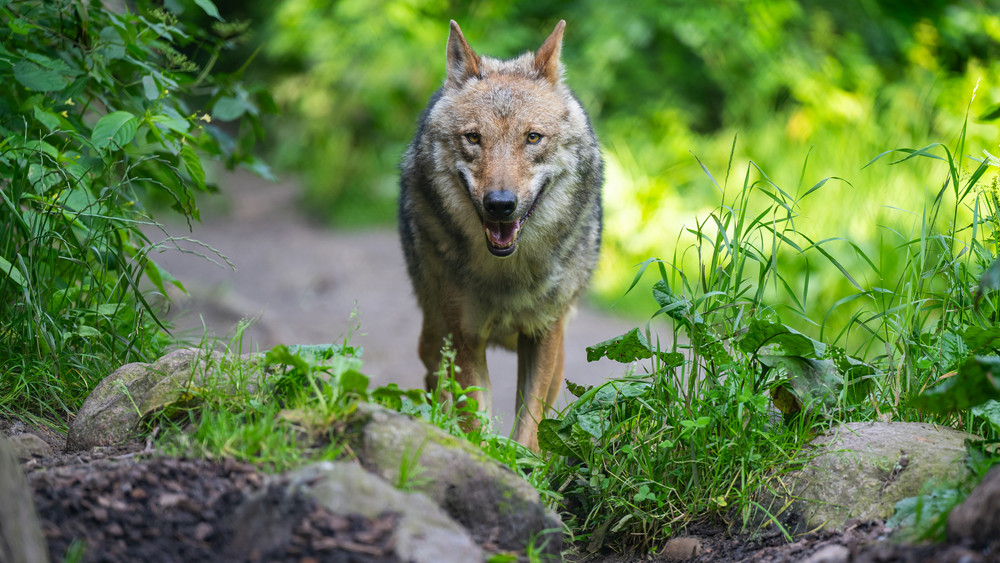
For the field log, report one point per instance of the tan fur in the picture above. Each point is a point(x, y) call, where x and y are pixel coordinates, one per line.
point(512, 127)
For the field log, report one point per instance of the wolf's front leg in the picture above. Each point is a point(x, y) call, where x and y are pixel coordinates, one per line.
point(470, 362)
point(539, 378)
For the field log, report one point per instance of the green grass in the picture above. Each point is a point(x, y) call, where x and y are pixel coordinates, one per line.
point(294, 404)
point(749, 374)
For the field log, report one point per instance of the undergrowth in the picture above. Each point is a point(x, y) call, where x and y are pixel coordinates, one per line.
point(704, 421)
point(294, 404)
point(103, 110)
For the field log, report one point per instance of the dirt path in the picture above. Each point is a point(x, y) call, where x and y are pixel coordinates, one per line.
point(301, 281)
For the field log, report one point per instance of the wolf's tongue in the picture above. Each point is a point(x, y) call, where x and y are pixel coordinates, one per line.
point(503, 234)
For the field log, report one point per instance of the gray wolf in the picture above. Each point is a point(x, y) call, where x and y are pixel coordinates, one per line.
point(500, 219)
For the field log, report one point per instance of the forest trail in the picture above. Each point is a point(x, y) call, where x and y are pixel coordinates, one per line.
point(301, 281)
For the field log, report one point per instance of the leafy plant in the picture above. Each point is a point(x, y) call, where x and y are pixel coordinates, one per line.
point(103, 111)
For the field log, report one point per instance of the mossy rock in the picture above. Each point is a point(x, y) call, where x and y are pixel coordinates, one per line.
point(493, 503)
point(861, 470)
point(112, 413)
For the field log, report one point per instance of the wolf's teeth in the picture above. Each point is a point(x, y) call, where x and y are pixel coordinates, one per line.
point(502, 235)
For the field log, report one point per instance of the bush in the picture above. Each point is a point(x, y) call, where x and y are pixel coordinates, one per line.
point(102, 111)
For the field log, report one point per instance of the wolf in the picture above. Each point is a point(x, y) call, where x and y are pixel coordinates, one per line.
point(500, 219)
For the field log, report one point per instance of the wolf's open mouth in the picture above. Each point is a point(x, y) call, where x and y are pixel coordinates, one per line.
point(501, 236)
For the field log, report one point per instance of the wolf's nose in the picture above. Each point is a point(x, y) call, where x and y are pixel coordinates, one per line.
point(499, 205)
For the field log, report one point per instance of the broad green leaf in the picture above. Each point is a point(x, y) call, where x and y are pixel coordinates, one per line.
point(109, 309)
point(576, 389)
point(34, 77)
point(630, 347)
point(977, 338)
point(555, 437)
point(594, 422)
point(283, 355)
point(990, 411)
point(672, 306)
point(192, 164)
point(811, 383)
point(919, 510)
point(171, 120)
point(118, 127)
point(149, 87)
point(709, 346)
point(157, 275)
point(352, 381)
point(209, 8)
point(626, 348)
point(975, 382)
point(392, 396)
point(229, 108)
point(609, 393)
point(48, 119)
point(761, 333)
point(20, 26)
point(8, 270)
point(259, 167)
point(858, 376)
point(85, 331)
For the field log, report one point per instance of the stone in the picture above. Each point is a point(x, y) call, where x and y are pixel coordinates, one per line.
point(111, 413)
point(21, 537)
point(977, 518)
point(681, 549)
point(832, 553)
point(497, 506)
point(28, 445)
point(861, 470)
point(425, 533)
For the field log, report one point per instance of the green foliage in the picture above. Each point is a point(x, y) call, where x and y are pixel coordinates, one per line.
point(294, 404)
point(642, 456)
point(661, 81)
point(101, 112)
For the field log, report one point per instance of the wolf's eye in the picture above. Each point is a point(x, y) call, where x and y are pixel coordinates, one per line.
point(472, 137)
point(533, 138)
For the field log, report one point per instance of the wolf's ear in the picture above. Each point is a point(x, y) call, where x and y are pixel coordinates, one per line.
point(547, 59)
point(462, 63)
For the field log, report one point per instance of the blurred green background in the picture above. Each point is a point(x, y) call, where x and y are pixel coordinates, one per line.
point(667, 84)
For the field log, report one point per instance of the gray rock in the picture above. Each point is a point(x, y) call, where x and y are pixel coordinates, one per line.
point(496, 506)
point(21, 536)
point(28, 445)
point(833, 553)
point(425, 532)
point(861, 470)
point(112, 411)
point(977, 518)
point(681, 549)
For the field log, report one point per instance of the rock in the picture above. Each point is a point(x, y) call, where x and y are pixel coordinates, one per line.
point(21, 537)
point(681, 549)
point(977, 518)
point(861, 470)
point(833, 553)
point(498, 507)
point(425, 533)
point(112, 411)
point(27, 446)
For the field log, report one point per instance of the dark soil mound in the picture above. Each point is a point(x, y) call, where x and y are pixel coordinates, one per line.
point(168, 509)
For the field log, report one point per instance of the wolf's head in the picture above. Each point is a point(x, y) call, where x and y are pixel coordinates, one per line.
point(508, 132)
